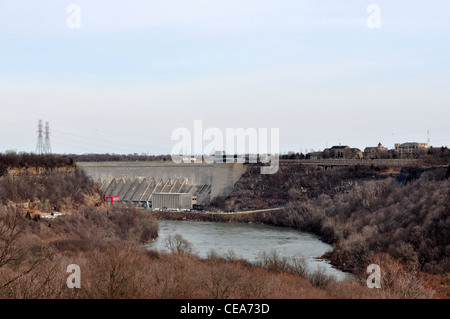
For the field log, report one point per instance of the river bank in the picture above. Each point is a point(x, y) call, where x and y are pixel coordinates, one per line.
point(203, 216)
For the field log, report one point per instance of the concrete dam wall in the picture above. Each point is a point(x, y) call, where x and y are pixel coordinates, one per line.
point(137, 181)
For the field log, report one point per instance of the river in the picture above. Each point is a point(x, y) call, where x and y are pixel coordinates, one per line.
point(248, 241)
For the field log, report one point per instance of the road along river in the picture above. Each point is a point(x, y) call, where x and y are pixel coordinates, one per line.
point(248, 241)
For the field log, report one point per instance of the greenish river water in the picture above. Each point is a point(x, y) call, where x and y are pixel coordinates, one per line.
point(248, 241)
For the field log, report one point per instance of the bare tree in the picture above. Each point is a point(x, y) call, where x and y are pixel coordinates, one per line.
point(13, 253)
point(178, 245)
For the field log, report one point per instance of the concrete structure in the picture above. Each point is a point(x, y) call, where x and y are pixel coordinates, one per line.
point(195, 173)
point(138, 181)
point(223, 157)
point(172, 201)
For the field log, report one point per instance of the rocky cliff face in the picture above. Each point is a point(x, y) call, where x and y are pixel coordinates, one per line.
point(295, 181)
point(32, 170)
point(46, 190)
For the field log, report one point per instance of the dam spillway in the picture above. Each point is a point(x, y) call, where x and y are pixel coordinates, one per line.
point(138, 181)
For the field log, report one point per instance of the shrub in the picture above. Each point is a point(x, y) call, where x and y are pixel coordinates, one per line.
point(320, 279)
point(178, 245)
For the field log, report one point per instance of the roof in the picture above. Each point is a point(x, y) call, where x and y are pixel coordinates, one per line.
point(340, 147)
point(409, 144)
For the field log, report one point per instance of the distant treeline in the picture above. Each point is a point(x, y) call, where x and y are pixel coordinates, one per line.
point(433, 155)
point(118, 157)
point(25, 160)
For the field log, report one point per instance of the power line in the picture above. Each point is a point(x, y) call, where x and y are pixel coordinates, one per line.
point(94, 141)
point(88, 146)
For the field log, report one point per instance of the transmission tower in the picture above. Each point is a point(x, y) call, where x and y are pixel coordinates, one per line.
point(47, 146)
point(40, 141)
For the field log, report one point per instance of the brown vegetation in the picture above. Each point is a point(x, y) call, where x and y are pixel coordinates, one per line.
point(294, 181)
point(410, 222)
point(36, 253)
point(363, 221)
point(51, 190)
point(116, 267)
point(405, 215)
point(359, 210)
point(30, 160)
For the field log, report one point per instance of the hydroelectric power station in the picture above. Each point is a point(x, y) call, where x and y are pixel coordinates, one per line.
point(136, 182)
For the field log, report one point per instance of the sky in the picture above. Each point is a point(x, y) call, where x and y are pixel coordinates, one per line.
point(120, 76)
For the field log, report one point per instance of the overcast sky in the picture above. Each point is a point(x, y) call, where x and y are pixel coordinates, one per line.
point(136, 70)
